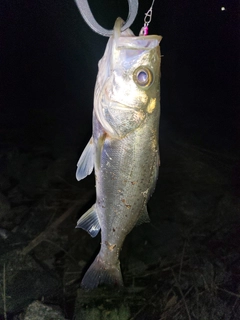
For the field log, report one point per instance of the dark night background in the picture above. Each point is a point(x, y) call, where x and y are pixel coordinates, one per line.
point(49, 64)
point(48, 67)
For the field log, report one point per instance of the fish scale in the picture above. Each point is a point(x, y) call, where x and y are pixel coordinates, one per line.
point(123, 150)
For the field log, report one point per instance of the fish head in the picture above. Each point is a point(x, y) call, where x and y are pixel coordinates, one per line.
point(128, 81)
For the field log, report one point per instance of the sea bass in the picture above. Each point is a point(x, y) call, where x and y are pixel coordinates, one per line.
point(124, 148)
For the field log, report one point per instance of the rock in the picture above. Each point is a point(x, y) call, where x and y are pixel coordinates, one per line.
point(99, 304)
point(26, 281)
point(4, 234)
point(40, 311)
point(96, 313)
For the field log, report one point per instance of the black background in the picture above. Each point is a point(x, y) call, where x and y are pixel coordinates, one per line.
point(49, 62)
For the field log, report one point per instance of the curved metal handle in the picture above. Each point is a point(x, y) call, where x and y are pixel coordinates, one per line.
point(90, 20)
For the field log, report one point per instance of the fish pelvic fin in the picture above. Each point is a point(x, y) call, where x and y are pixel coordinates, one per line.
point(86, 161)
point(89, 222)
point(100, 273)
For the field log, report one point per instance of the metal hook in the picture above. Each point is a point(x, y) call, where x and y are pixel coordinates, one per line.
point(89, 18)
point(147, 20)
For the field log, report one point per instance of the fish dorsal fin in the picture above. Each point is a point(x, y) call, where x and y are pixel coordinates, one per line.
point(86, 161)
point(89, 222)
point(144, 217)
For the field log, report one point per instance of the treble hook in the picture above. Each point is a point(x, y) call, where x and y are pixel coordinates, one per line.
point(89, 18)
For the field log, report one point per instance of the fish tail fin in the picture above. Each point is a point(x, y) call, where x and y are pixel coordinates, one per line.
point(100, 273)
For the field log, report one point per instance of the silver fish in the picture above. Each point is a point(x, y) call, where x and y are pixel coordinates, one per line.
point(124, 147)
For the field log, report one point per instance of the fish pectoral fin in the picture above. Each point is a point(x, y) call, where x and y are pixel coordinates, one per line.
point(89, 222)
point(144, 217)
point(86, 161)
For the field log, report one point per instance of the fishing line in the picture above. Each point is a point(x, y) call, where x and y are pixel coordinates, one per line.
point(147, 20)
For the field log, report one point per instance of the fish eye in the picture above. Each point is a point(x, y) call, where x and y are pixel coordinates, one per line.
point(143, 77)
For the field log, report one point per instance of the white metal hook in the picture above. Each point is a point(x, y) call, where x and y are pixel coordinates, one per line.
point(87, 15)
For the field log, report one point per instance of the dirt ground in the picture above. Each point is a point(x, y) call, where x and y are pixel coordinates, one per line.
point(185, 264)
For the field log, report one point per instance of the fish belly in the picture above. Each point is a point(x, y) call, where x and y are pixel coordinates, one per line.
point(125, 179)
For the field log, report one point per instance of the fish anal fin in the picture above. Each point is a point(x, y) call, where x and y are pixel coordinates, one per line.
point(89, 222)
point(86, 162)
point(144, 217)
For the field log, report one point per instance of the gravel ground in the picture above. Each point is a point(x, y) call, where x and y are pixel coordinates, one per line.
point(183, 265)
